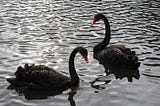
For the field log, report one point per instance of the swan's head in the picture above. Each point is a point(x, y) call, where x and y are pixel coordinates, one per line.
point(97, 17)
point(83, 51)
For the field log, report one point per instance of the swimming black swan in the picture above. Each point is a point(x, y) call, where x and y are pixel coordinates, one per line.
point(43, 77)
point(117, 55)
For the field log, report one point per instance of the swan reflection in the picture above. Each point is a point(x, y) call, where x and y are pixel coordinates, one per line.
point(118, 72)
point(121, 73)
point(30, 94)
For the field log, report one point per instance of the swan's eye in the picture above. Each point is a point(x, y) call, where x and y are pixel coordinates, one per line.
point(85, 57)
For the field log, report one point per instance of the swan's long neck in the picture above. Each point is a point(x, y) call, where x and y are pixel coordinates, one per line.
point(106, 39)
point(107, 32)
point(72, 71)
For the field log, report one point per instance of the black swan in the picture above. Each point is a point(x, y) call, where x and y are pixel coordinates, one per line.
point(117, 55)
point(43, 77)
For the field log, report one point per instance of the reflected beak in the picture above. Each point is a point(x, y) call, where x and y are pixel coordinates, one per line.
point(94, 21)
point(86, 58)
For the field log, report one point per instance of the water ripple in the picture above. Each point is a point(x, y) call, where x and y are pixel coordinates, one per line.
point(46, 31)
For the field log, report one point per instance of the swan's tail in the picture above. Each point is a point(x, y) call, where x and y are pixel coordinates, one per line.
point(10, 79)
point(19, 76)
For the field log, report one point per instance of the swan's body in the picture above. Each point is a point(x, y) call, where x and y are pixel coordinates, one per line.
point(117, 55)
point(40, 76)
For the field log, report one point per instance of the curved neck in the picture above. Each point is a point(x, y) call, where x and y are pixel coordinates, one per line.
point(106, 39)
point(72, 71)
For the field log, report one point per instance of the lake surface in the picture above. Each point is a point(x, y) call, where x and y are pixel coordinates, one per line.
point(46, 31)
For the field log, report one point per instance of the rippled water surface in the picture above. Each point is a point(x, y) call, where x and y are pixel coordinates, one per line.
point(46, 31)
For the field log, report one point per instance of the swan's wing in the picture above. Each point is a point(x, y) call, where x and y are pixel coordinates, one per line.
point(37, 67)
point(47, 78)
point(39, 75)
point(110, 55)
point(123, 49)
point(116, 56)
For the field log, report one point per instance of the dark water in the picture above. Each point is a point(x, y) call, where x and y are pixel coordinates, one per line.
point(46, 31)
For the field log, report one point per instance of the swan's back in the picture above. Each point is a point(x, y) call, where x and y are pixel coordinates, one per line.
point(39, 76)
point(118, 55)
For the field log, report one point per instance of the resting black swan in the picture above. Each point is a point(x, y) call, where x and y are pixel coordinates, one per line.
point(43, 77)
point(117, 55)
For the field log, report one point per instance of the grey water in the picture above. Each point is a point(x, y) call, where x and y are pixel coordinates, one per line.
point(46, 31)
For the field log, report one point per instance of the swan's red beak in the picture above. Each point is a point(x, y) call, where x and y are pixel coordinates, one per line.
point(86, 58)
point(94, 21)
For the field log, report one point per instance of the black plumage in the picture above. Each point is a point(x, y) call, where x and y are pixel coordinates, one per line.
point(117, 55)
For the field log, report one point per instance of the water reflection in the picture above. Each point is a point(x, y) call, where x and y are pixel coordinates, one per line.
point(44, 31)
point(70, 98)
point(121, 73)
point(30, 94)
point(98, 83)
point(118, 72)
